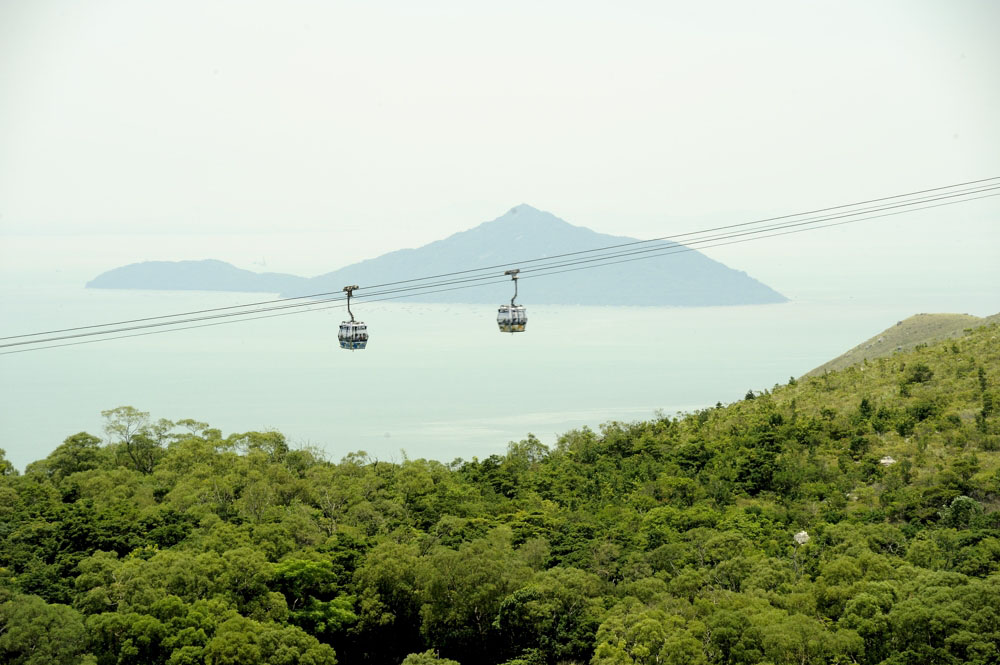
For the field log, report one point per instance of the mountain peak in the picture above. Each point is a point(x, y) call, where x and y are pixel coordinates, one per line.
point(527, 215)
point(525, 235)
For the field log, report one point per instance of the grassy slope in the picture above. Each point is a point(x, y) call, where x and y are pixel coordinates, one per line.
point(954, 392)
point(905, 336)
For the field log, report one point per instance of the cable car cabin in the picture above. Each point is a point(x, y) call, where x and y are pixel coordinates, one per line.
point(353, 335)
point(512, 318)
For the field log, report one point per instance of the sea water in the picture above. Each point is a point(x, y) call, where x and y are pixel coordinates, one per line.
point(436, 381)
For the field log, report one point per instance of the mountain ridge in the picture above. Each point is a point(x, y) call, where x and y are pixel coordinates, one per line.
point(203, 275)
point(906, 335)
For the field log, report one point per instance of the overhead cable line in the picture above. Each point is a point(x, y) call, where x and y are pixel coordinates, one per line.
point(977, 187)
point(544, 269)
point(676, 247)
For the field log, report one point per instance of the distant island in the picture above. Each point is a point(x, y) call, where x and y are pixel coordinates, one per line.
point(687, 278)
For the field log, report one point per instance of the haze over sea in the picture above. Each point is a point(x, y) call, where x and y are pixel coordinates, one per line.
point(437, 381)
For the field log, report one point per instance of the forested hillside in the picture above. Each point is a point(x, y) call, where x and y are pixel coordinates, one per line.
point(845, 518)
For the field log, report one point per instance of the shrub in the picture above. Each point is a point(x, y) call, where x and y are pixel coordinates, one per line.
point(919, 373)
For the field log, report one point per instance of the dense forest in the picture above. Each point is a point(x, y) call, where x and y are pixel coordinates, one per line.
point(846, 518)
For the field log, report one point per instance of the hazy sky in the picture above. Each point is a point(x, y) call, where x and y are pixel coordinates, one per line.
point(305, 135)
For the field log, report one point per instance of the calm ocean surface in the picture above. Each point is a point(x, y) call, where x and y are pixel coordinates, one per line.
point(437, 381)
